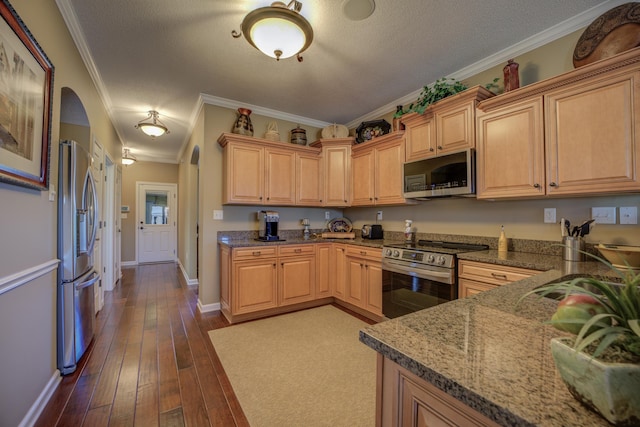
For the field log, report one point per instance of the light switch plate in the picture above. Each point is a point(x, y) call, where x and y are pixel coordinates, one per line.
point(218, 214)
point(629, 215)
point(550, 215)
point(379, 216)
point(604, 215)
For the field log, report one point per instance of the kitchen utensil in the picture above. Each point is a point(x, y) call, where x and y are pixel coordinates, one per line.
point(563, 228)
point(585, 227)
point(567, 225)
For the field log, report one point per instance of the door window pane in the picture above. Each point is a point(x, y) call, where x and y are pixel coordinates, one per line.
point(157, 207)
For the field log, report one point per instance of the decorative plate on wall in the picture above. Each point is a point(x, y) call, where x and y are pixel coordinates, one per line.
point(340, 225)
point(369, 130)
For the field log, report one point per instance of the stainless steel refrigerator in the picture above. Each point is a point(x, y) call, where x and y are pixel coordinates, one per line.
point(77, 226)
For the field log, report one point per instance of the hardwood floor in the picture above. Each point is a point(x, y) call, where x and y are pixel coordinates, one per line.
point(151, 362)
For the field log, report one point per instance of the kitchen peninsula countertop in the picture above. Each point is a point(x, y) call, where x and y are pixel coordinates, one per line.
point(490, 352)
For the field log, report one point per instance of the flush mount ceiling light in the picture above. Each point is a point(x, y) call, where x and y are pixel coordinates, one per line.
point(152, 126)
point(357, 10)
point(278, 31)
point(127, 158)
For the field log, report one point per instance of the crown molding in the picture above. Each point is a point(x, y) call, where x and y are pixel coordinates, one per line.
point(545, 37)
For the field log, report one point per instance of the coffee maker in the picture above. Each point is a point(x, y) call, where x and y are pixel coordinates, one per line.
point(268, 229)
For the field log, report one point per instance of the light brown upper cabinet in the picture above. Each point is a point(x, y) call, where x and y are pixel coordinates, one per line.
point(377, 171)
point(446, 126)
point(262, 172)
point(336, 168)
point(574, 134)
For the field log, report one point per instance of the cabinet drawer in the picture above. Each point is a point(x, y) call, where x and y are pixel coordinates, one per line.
point(254, 252)
point(492, 273)
point(291, 250)
point(364, 252)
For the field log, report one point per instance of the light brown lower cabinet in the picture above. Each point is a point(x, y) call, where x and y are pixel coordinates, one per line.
point(265, 280)
point(364, 278)
point(475, 277)
point(406, 400)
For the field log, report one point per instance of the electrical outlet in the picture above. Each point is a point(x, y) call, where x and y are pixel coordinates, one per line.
point(629, 215)
point(218, 214)
point(327, 215)
point(379, 216)
point(604, 215)
point(550, 215)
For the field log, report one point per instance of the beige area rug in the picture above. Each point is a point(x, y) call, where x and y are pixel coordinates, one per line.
point(306, 368)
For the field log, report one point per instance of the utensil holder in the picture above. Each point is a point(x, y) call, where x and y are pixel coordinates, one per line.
point(572, 249)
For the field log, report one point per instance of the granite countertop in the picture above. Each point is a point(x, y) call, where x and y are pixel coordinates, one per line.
point(244, 242)
point(490, 352)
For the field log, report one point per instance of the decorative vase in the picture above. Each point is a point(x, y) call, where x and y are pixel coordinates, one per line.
point(272, 133)
point(611, 389)
point(511, 76)
point(243, 124)
point(397, 121)
point(299, 136)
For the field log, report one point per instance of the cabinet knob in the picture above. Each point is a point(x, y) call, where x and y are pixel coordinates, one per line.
point(431, 149)
point(268, 198)
point(536, 185)
point(553, 184)
point(439, 147)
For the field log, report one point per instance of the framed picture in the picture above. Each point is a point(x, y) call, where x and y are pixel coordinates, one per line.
point(26, 88)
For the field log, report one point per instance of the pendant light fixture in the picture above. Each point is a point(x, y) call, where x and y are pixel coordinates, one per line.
point(278, 31)
point(152, 125)
point(127, 158)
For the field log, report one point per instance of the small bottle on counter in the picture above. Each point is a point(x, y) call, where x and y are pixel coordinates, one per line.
point(408, 231)
point(502, 241)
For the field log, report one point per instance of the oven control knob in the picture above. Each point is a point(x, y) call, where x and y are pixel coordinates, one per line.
point(440, 260)
point(430, 259)
point(388, 252)
point(396, 253)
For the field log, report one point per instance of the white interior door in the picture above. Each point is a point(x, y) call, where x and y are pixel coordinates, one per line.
point(157, 217)
point(108, 234)
point(118, 222)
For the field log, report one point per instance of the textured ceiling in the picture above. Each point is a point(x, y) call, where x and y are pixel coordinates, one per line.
point(171, 56)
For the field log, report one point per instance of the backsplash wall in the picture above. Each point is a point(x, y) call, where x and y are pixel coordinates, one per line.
point(522, 219)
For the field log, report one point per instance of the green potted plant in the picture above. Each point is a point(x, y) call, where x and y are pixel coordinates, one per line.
point(600, 364)
point(440, 89)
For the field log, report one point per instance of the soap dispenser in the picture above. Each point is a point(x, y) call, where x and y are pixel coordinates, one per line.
point(502, 241)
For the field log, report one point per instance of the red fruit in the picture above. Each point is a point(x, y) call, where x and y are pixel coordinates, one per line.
point(576, 307)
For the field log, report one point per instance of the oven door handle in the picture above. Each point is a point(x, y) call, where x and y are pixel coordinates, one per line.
point(444, 277)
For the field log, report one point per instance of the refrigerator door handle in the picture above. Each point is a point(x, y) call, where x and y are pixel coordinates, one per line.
point(91, 208)
point(89, 282)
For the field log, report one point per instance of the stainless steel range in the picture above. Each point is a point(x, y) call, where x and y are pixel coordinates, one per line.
point(420, 275)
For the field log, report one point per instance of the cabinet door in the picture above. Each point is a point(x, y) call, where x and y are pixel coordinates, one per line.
point(374, 287)
point(297, 280)
point(592, 136)
point(388, 173)
point(254, 286)
point(324, 269)
point(337, 176)
point(244, 164)
point(354, 292)
point(420, 138)
point(455, 128)
point(225, 278)
point(309, 180)
point(280, 177)
point(510, 151)
point(363, 165)
point(466, 287)
point(340, 266)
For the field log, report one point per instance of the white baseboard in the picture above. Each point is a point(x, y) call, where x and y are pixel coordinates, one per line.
point(206, 308)
point(189, 281)
point(42, 400)
point(129, 263)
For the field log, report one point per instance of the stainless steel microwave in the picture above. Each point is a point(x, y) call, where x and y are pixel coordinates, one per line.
point(448, 175)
